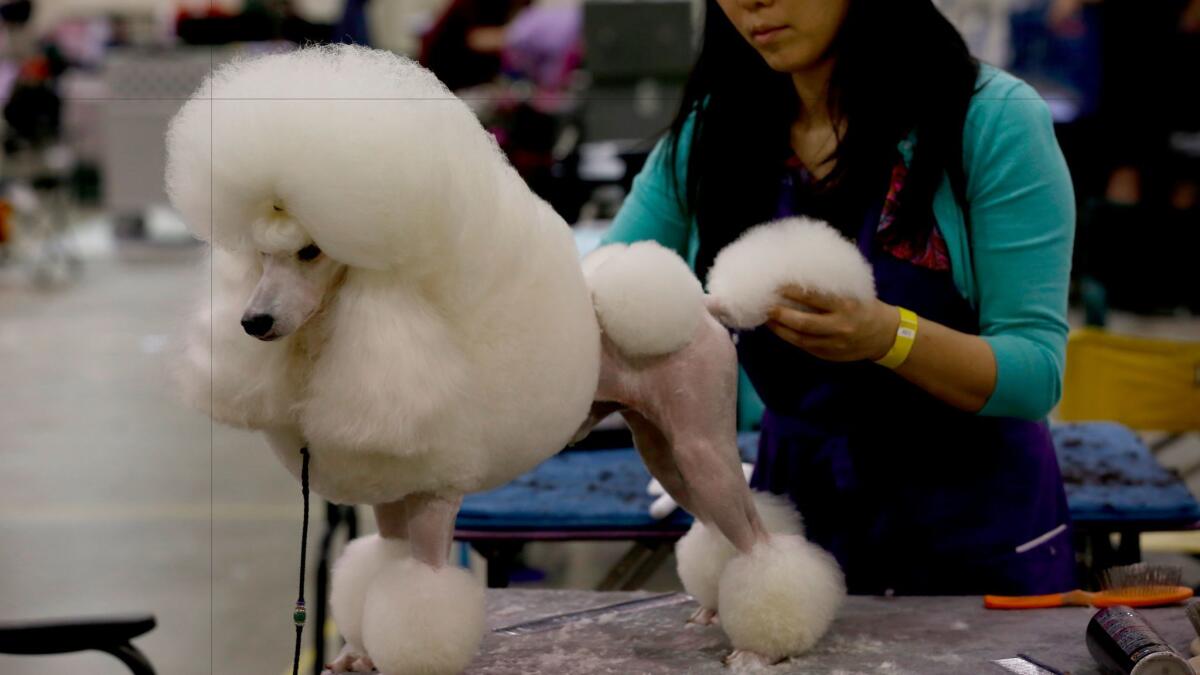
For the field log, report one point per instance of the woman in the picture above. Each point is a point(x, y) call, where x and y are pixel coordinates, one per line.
point(934, 473)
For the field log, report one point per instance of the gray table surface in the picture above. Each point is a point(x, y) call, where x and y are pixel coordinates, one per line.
point(872, 635)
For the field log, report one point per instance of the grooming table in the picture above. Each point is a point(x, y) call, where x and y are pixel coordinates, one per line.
point(1113, 483)
point(577, 495)
point(569, 633)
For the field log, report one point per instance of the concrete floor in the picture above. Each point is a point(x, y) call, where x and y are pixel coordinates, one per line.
point(115, 499)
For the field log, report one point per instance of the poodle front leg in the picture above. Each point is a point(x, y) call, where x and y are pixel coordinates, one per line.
point(353, 574)
point(430, 526)
point(423, 615)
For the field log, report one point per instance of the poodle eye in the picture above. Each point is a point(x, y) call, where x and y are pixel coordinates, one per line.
point(308, 253)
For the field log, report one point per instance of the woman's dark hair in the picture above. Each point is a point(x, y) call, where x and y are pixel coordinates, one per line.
point(899, 67)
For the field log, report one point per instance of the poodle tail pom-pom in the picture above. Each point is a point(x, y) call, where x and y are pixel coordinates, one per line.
point(647, 300)
point(746, 277)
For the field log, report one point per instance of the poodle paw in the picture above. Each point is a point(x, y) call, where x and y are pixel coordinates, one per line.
point(352, 576)
point(418, 620)
point(781, 597)
point(349, 661)
point(703, 616)
point(744, 659)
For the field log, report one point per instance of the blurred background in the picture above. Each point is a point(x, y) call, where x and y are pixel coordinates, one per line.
point(115, 500)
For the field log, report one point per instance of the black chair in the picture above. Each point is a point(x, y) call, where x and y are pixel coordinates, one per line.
point(111, 635)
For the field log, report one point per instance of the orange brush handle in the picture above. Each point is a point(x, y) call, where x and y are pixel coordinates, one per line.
point(1035, 601)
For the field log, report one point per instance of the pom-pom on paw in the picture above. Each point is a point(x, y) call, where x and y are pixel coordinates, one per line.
point(742, 660)
point(703, 616)
point(781, 597)
point(349, 661)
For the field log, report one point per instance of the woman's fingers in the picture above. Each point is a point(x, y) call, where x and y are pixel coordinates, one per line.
point(822, 302)
point(787, 334)
point(830, 348)
point(805, 323)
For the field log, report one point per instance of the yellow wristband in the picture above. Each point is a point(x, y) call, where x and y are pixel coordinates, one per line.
point(906, 334)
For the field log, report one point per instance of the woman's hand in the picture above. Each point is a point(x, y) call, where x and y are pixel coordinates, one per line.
point(836, 328)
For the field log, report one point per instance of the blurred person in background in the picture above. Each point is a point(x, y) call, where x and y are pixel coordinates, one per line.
point(934, 473)
point(1133, 237)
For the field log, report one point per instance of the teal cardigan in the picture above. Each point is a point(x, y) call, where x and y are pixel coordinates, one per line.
point(1014, 267)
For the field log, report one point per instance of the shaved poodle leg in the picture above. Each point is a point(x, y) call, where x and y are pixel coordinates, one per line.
point(655, 450)
point(431, 527)
point(392, 520)
point(718, 489)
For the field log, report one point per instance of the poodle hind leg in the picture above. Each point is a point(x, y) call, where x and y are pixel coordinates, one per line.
point(725, 521)
point(421, 614)
point(777, 593)
point(702, 553)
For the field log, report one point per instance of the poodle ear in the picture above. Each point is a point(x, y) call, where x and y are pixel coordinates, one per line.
point(236, 379)
point(389, 368)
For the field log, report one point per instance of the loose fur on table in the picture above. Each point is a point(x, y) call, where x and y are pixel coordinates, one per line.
point(387, 292)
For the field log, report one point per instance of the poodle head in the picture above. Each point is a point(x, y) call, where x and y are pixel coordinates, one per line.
point(297, 278)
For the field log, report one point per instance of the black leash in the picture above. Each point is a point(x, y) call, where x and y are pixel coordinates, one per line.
point(299, 614)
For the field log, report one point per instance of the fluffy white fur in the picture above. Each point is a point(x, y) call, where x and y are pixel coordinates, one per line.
point(422, 621)
point(431, 368)
point(702, 553)
point(647, 299)
point(353, 573)
point(780, 598)
point(216, 357)
point(746, 276)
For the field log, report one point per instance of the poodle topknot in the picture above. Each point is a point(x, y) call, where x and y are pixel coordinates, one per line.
point(272, 133)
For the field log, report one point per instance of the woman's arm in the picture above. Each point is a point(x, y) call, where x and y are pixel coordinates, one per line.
point(955, 367)
point(1022, 221)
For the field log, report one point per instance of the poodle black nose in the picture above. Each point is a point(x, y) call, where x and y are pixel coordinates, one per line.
point(259, 324)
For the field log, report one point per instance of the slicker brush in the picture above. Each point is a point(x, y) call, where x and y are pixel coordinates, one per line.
point(1138, 585)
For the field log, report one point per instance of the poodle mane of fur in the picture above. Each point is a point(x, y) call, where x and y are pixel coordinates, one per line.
point(456, 348)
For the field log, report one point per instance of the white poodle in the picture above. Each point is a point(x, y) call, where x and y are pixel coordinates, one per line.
point(389, 294)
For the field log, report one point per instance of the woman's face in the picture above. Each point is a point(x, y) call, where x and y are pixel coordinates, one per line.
point(791, 35)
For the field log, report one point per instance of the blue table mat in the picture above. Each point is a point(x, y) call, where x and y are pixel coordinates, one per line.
point(579, 490)
point(1110, 476)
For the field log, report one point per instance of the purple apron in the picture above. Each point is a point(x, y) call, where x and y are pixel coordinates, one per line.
point(909, 494)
